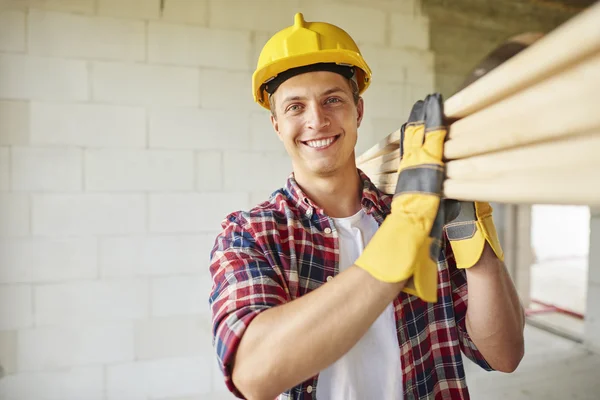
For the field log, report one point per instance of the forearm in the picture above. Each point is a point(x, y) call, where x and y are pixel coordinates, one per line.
point(495, 318)
point(288, 344)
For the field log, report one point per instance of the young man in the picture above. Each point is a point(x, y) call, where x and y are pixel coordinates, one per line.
point(334, 290)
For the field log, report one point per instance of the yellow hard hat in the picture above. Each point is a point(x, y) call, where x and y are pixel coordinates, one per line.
point(318, 44)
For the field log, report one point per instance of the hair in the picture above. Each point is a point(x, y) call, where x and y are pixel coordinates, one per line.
point(353, 86)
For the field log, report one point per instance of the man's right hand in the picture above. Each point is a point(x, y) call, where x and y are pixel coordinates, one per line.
point(407, 244)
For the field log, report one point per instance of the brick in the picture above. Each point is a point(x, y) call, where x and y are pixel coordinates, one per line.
point(46, 169)
point(385, 100)
point(12, 30)
point(410, 31)
point(186, 11)
point(386, 64)
point(137, 84)
point(172, 337)
point(209, 171)
point(16, 311)
point(66, 6)
point(138, 170)
point(14, 214)
point(14, 122)
point(70, 384)
point(190, 128)
point(75, 303)
point(62, 347)
point(162, 378)
point(52, 34)
point(365, 24)
point(8, 353)
point(408, 7)
point(234, 91)
point(4, 169)
point(87, 125)
point(87, 214)
point(184, 213)
point(262, 134)
point(198, 46)
point(138, 9)
point(268, 170)
point(258, 15)
point(128, 256)
point(29, 260)
point(419, 67)
point(180, 295)
point(35, 78)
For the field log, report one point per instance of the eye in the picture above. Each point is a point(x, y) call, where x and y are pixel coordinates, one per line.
point(293, 107)
point(333, 100)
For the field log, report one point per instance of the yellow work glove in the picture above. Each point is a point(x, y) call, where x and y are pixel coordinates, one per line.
point(407, 243)
point(470, 230)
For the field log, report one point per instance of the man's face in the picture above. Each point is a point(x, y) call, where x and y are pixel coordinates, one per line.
point(317, 121)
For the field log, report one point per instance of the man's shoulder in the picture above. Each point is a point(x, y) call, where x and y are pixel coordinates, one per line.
point(278, 208)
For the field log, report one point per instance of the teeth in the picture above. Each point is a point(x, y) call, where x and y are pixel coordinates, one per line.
point(320, 143)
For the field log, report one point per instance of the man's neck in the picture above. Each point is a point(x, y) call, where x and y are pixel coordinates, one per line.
point(338, 195)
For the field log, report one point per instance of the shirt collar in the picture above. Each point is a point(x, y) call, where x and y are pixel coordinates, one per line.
point(372, 198)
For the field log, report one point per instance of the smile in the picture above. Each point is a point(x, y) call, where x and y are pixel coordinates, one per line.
point(321, 143)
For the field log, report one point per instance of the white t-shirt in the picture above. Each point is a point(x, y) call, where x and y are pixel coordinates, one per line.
point(371, 369)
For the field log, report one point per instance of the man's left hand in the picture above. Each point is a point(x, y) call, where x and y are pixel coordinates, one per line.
point(470, 230)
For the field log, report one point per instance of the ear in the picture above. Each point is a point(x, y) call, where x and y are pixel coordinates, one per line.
point(360, 109)
point(276, 126)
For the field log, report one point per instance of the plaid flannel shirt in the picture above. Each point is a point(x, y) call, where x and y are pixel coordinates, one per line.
point(286, 247)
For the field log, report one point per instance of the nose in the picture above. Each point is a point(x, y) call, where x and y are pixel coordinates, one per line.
point(317, 118)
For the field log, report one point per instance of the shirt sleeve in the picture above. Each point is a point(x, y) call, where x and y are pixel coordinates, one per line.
point(244, 284)
point(458, 279)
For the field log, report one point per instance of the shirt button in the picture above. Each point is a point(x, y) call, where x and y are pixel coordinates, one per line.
point(309, 389)
point(329, 278)
point(327, 230)
point(309, 212)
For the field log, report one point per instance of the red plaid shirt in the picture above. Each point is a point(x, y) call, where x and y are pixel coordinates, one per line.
point(286, 247)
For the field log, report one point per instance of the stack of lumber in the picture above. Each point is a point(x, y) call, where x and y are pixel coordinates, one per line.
point(527, 132)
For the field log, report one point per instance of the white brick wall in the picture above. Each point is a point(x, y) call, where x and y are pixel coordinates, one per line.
point(38, 78)
point(51, 348)
point(200, 129)
point(85, 125)
point(4, 169)
point(14, 214)
point(186, 11)
point(127, 133)
point(14, 122)
point(8, 352)
point(51, 34)
point(46, 169)
point(140, 84)
point(159, 378)
point(196, 46)
point(139, 170)
point(36, 259)
point(12, 30)
point(16, 310)
point(70, 384)
point(79, 302)
point(65, 214)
